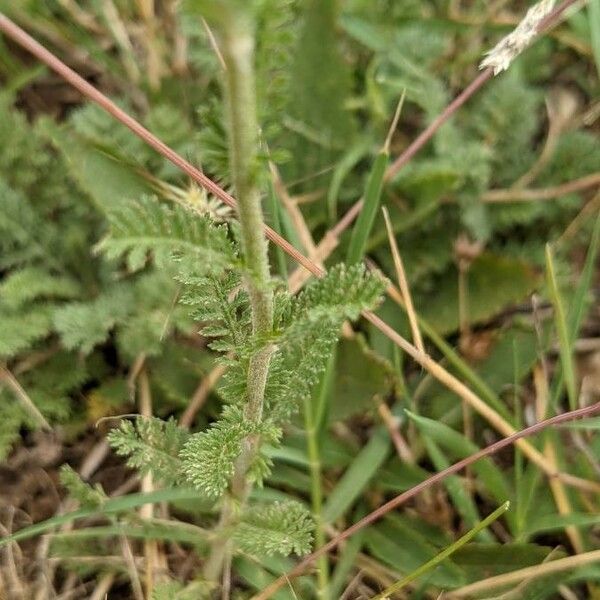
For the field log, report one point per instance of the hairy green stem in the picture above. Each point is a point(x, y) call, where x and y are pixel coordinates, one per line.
point(237, 47)
point(236, 42)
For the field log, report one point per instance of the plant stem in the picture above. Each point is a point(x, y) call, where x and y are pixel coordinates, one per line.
point(237, 47)
point(316, 495)
point(236, 42)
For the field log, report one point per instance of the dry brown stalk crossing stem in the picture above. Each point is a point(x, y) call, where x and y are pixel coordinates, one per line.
point(22, 38)
point(454, 384)
point(531, 195)
point(414, 491)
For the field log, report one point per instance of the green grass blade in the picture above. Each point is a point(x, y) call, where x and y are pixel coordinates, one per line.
point(366, 219)
point(578, 305)
point(275, 213)
point(357, 476)
point(556, 522)
point(457, 447)
point(594, 17)
point(564, 339)
point(172, 531)
point(345, 563)
point(316, 490)
point(461, 499)
point(436, 560)
point(112, 506)
point(341, 171)
point(592, 424)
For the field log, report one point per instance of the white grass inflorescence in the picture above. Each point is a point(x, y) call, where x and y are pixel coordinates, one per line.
point(504, 52)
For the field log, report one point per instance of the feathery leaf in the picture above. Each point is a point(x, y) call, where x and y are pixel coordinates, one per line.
point(152, 446)
point(279, 528)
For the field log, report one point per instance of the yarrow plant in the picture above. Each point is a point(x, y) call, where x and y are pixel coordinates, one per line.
point(275, 346)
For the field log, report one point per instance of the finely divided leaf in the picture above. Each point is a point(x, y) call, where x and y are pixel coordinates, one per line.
point(152, 446)
point(168, 231)
point(279, 528)
point(209, 457)
point(310, 327)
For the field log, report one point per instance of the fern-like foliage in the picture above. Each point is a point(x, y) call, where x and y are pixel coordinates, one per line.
point(83, 325)
point(88, 496)
point(221, 304)
point(280, 528)
point(31, 283)
point(310, 326)
point(20, 228)
point(152, 446)
point(20, 329)
point(168, 231)
point(209, 457)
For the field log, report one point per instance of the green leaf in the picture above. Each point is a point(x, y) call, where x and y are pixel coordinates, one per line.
point(399, 543)
point(259, 574)
point(341, 171)
point(87, 495)
point(320, 85)
point(357, 476)
point(279, 528)
point(84, 325)
point(458, 447)
point(146, 529)
point(366, 219)
point(564, 339)
point(31, 283)
point(110, 182)
point(580, 301)
point(461, 499)
point(359, 376)
point(592, 424)
point(594, 18)
point(480, 561)
point(436, 560)
point(173, 590)
point(209, 457)
point(19, 330)
point(112, 506)
point(309, 326)
point(494, 282)
point(555, 522)
point(145, 225)
point(151, 445)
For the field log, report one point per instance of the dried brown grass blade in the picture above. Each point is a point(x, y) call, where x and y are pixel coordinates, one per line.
point(403, 282)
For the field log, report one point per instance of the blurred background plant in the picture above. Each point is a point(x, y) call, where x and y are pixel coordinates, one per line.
point(84, 336)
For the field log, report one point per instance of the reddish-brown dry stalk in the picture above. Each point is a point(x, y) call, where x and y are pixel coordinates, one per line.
point(417, 489)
